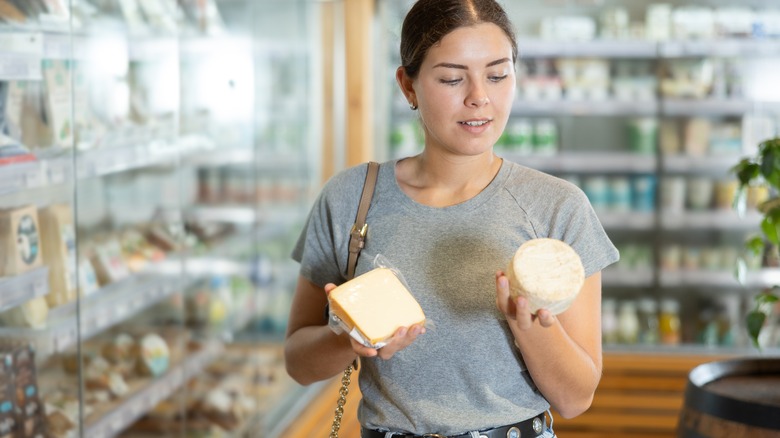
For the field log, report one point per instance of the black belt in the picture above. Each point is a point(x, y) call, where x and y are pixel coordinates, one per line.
point(531, 427)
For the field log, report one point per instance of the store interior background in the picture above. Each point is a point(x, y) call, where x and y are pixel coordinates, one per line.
point(158, 159)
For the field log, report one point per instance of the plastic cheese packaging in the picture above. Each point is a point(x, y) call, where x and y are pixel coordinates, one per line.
point(372, 306)
point(548, 273)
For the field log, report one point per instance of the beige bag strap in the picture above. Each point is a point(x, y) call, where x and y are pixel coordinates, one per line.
point(357, 238)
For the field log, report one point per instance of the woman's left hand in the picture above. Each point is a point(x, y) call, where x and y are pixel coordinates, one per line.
point(516, 310)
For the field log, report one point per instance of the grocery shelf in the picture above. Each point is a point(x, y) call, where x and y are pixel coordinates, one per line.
point(723, 47)
point(687, 349)
point(16, 290)
point(711, 164)
point(587, 162)
point(539, 48)
point(106, 307)
point(21, 53)
point(714, 107)
point(626, 220)
point(243, 214)
point(719, 279)
point(607, 107)
point(618, 277)
point(710, 219)
point(144, 400)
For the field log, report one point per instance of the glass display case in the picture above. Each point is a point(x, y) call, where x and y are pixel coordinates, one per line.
point(645, 107)
point(157, 159)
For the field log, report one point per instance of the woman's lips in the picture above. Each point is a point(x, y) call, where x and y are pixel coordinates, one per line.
point(475, 126)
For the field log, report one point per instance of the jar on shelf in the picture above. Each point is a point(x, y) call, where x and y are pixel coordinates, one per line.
point(609, 321)
point(628, 323)
point(648, 321)
point(669, 326)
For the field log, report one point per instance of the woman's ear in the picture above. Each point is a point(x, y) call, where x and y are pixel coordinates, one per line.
point(405, 83)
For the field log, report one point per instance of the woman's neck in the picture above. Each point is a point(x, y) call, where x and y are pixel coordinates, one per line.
point(441, 181)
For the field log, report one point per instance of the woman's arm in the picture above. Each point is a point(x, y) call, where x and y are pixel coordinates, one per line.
point(312, 351)
point(563, 352)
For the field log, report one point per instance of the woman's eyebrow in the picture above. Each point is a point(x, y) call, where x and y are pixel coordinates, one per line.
point(463, 67)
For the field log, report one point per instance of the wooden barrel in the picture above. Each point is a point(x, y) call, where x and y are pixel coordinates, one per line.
point(732, 398)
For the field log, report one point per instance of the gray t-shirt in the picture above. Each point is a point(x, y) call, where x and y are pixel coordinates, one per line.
point(464, 373)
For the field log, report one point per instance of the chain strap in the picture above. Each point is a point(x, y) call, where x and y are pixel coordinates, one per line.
point(346, 379)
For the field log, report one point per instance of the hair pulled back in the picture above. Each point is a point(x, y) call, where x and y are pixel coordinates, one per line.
point(428, 21)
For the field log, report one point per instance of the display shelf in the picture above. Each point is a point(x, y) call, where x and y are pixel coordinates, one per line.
point(138, 150)
point(709, 164)
point(643, 49)
point(718, 279)
point(16, 290)
point(587, 162)
point(710, 219)
point(243, 214)
point(617, 277)
point(607, 107)
point(638, 221)
point(107, 307)
point(129, 410)
point(725, 47)
point(20, 56)
point(288, 409)
point(539, 48)
point(714, 107)
point(687, 349)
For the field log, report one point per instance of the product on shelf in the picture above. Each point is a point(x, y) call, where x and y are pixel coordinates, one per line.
point(108, 262)
point(30, 415)
point(374, 305)
point(32, 313)
point(21, 240)
point(548, 273)
point(58, 90)
point(59, 252)
point(12, 151)
point(7, 395)
point(628, 322)
point(9, 13)
point(669, 325)
point(153, 355)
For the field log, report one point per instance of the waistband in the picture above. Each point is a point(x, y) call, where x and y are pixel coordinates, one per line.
point(532, 427)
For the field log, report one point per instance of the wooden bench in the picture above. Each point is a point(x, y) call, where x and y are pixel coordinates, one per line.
point(640, 396)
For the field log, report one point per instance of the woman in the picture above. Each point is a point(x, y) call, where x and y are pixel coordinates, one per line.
point(449, 219)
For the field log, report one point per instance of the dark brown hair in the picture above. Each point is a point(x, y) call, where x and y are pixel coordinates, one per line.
point(428, 21)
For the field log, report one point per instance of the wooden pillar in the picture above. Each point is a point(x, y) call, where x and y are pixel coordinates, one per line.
point(358, 19)
point(328, 35)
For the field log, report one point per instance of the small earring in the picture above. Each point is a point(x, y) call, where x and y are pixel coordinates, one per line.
point(412, 106)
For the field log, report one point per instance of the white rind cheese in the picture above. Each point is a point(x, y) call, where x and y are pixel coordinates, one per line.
point(376, 304)
point(548, 273)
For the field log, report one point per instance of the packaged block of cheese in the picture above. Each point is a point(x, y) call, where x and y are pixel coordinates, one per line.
point(548, 273)
point(372, 306)
point(21, 241)
point(59, 252)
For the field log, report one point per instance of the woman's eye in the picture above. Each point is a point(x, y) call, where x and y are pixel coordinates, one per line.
point(498, 78)
point(449, 81)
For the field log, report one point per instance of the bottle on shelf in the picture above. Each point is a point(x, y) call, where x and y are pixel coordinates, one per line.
point(669, 322)
point(628, 323)
point(648, 321)
point(609, 322)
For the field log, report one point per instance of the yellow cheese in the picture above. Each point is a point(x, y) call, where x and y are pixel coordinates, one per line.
point(376, 304)
point(548, 273)
point(59, 252)
point(20, 242)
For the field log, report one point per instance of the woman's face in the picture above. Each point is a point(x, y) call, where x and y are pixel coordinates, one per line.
point(465, 88)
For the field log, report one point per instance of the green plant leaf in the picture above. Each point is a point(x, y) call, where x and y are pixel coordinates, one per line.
point(755, 245)
point(746, 171)
point(769, 227)
point(755, 321)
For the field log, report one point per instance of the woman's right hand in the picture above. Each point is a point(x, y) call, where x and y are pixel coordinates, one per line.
point(402, 338)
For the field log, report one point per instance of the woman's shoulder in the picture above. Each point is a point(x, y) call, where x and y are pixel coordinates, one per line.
point(527, 181)
point(347, 184)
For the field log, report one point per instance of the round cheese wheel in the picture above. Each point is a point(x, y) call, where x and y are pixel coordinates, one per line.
point(548, 273)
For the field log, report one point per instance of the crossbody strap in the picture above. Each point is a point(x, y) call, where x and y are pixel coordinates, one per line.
point(357, 236)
